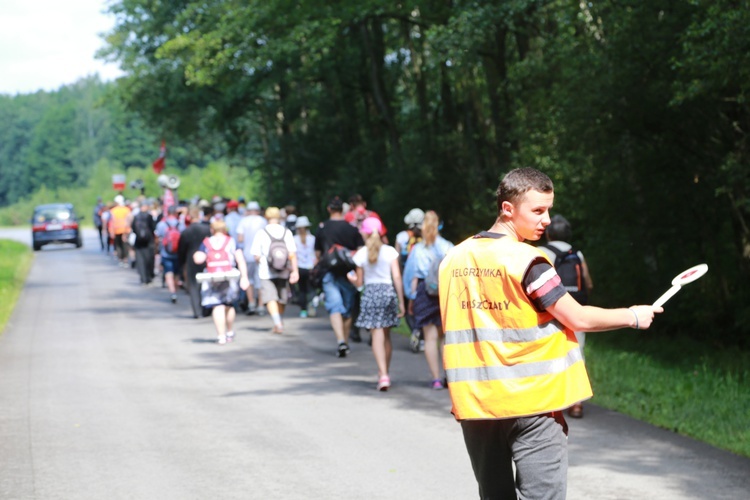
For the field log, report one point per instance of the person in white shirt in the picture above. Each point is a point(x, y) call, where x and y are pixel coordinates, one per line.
point(382, 303)
point(305, 242)
point(274, 284)
point(247, 228)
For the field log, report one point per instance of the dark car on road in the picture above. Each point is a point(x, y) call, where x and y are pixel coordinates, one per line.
point(55, 223)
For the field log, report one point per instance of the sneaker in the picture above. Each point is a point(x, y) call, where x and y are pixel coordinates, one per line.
point(221, 339)
point(342, 350)
point(414, 341)
point(384, 383)
point(230, 336)
point(303, 314)
point(315, 302)
point(278, 329)
point(437, 384)
point(174, 298)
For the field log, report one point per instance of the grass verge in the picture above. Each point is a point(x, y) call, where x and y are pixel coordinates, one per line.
point(676, 383)
point(15, 261)
point(679, 384)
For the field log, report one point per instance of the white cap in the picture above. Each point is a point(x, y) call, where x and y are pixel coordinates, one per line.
point(415, 217)
point(302, 221)
point(253, 205)
point(119, 199)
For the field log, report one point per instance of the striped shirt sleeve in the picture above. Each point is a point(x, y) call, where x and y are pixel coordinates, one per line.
point(542, 284)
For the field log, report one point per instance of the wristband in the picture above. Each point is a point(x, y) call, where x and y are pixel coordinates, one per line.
point(637, 326)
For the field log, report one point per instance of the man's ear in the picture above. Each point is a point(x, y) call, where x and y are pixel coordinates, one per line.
point(507, 209)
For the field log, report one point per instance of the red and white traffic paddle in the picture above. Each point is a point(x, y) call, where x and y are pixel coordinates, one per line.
point(685, 277)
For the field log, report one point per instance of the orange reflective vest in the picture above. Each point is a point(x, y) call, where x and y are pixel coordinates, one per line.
point(503, 358)
point(119, 219)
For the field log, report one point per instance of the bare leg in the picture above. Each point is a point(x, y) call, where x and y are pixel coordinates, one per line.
point(220, 320)
point(169, 279)
point(337, 323)
point(229, 316)
point(382, 349)
point(433, 339)
point(275, 311)
point(273, 307)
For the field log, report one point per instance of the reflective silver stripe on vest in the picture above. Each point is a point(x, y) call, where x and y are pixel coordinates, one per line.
point(487, 373)
point(503, 335)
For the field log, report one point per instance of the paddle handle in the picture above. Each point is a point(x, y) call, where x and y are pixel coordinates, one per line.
point(667, 295)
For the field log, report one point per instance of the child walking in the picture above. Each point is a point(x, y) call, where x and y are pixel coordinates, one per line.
point(382, 303)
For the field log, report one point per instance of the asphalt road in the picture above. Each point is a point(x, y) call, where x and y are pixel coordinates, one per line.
point(107, 390)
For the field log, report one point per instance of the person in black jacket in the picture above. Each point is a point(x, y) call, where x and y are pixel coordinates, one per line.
point(143, 226)
point(190, 242)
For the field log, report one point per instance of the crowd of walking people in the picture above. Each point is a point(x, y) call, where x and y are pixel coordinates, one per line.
point(511, 356)
point(229, 257)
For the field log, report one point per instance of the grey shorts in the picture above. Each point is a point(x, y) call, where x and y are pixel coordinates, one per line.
point(274, 290)
point(539, 447)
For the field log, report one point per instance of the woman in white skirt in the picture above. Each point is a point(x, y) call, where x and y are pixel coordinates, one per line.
point(382, 303)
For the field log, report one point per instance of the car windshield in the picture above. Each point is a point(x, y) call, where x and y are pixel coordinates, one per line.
point(52, 213)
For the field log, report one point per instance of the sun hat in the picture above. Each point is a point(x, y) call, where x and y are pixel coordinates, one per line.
point(302, 221)
point(371, 225)
point(253, 205)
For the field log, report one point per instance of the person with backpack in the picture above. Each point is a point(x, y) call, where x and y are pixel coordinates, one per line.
point(420, 284)
point(382, 302)
point(144, 226)
point(275, 252)
point(220, 255)
point(336, 240)
point(574, 274)
point(168, 232)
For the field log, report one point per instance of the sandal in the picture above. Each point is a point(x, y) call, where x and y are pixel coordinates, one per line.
point(576, 411)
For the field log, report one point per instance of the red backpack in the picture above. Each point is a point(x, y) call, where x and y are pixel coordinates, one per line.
point(217, 259)
point(172, 240)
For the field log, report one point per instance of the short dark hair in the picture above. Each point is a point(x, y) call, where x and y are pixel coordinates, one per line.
point(336, 205)
point(559, 229)
point(356, 199)
point(518, 182)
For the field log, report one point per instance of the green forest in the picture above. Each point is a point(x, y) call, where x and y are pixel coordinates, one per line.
point(636, 110)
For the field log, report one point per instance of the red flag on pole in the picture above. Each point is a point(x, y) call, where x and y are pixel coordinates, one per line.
point(159, 162)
